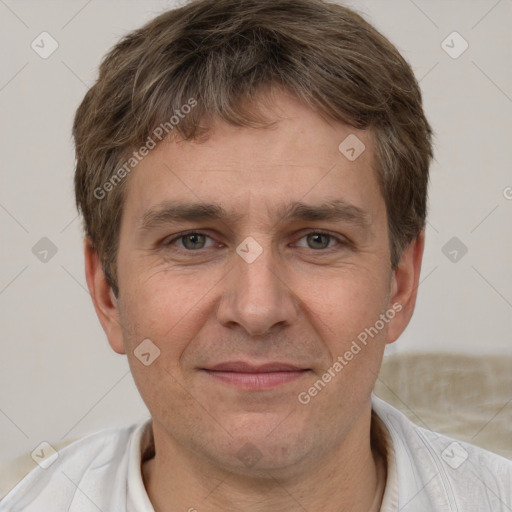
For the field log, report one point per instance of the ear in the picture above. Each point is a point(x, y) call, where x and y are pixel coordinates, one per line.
point(103, 298)
point(404, 287)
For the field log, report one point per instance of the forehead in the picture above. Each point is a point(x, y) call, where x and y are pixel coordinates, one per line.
point(301, 159)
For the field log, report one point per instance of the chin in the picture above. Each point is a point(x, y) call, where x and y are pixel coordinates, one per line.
point(265, 444)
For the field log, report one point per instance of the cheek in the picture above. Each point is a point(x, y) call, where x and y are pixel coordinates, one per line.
point(345, 301)
point(167, 316)
point(169, 321)
point(162, 303)
point(347, 316)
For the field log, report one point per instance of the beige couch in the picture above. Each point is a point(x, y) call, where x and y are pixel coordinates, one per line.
point(469, 398)
point(466, 397)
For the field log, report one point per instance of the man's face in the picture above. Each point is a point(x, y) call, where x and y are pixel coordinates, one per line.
point(297, 293)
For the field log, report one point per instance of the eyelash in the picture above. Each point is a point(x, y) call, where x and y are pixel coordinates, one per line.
point(340, 242)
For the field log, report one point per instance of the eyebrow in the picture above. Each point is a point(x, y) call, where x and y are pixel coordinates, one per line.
point(168, 212)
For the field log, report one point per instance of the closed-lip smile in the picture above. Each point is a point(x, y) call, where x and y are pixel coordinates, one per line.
point(251, 376)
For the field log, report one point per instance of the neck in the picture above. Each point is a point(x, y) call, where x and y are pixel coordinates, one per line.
point(346, 480)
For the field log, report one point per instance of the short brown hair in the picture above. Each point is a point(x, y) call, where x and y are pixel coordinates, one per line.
point(221, 53)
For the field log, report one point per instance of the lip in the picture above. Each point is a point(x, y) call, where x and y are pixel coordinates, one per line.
point(253, 377)
point(243, 367)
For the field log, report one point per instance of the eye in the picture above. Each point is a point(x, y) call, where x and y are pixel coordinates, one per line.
point(191, 241)
point(194, 241)
point(319, 240)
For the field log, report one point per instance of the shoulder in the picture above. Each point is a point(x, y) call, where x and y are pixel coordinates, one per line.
point(474, 478)
point(442, 473)
point(83, 472)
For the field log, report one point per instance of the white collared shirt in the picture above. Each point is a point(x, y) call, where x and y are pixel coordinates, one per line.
point(426, 472)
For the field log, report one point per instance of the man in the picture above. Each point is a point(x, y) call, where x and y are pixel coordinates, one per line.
point(253, 180)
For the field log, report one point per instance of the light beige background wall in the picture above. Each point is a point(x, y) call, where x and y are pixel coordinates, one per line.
point(58, 376)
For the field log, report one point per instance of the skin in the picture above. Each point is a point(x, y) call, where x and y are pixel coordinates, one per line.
point(302, 301)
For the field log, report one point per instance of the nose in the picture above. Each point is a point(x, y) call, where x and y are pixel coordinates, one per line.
point(256, 297)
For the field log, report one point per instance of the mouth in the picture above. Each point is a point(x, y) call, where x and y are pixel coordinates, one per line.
point(255, 377)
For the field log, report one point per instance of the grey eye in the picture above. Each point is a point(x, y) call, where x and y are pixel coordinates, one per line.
point(317, 241)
